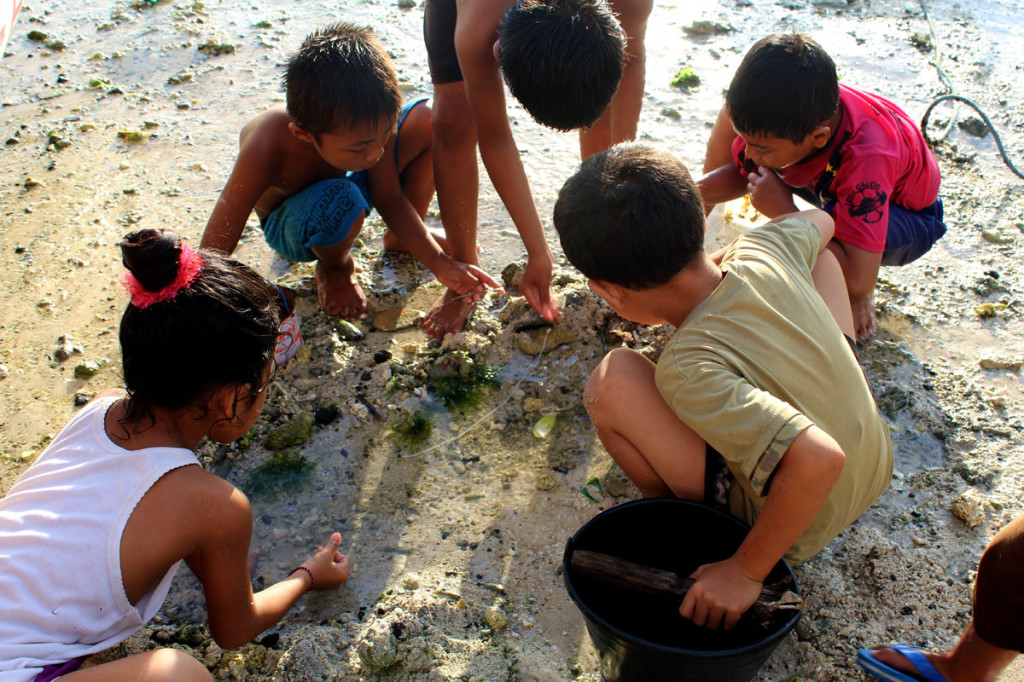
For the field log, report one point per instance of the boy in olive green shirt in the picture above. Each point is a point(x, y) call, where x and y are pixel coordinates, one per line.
point(757, 402)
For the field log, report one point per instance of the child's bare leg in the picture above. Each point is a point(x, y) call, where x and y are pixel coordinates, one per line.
point(659, 453)
point(619, 121)
point(457, 178)
point(336, 281)
point(972, 660)
point(829, 281)
point(416, 169)
point(159, 665)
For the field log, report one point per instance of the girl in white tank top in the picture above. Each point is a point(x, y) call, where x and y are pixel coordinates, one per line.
point(93, 531)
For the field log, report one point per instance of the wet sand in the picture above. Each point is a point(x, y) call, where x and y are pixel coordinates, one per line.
point(456, 541)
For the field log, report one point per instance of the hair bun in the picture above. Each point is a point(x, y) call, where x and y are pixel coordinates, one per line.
point(152, 256)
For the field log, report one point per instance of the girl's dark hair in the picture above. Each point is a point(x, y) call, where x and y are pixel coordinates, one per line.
point(786, 86)
point(220, 329)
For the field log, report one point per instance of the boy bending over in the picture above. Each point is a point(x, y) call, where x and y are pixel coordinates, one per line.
point(563, 60)
point(757, 403)
point(795, 129)
point(312, 170)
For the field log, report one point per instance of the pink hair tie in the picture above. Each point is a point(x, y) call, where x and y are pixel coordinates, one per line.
point(190, 263)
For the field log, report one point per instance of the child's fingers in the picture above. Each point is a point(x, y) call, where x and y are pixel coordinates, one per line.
point(485, 279)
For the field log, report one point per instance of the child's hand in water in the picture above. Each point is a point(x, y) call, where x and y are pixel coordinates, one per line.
point(328, 567)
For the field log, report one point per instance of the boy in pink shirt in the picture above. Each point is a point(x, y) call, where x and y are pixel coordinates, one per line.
point(796, 130)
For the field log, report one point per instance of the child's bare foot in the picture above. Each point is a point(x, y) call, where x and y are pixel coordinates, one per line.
point(340, 293)
point(863, 308)
point(393, 243)
point(448, 315)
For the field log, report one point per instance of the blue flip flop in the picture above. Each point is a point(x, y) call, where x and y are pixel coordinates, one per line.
point(926, 672)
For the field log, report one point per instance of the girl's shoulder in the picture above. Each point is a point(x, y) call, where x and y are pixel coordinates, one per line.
point(200, 495)
point(188, 509)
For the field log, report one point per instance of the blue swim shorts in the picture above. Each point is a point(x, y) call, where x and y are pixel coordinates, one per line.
point(322, 214)
point(911, 233)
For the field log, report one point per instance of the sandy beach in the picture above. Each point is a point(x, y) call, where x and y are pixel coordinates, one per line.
point(455, 498)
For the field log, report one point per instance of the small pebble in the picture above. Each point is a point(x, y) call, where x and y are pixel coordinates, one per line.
point(496, 618)
point(326, 414)
point(86, 370)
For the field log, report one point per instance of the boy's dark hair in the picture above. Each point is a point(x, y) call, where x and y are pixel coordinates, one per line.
point(786, 86)
point(631, 215)
point(562, 59)
point(341, 76)
point(218, 330)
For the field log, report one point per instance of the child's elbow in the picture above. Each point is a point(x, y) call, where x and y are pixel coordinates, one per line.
point(832, 464)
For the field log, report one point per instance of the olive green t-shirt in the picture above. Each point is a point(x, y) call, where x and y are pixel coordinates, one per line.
point(759, 361)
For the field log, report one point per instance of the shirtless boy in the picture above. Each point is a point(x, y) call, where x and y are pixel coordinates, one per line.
point(311, 170)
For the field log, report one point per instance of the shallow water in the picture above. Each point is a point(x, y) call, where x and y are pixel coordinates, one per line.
point(471, 512)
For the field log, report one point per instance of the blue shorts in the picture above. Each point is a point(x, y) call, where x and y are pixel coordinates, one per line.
point(324, 213)
point(911, 233)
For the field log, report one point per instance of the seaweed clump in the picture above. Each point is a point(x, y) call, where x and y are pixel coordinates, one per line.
point(459, 380)
point(685, 79)
point(284, 470)
point(413, 429)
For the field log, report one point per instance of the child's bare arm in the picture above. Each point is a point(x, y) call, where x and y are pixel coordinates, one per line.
point(236, 615)
point(474, 44)
point(722, 184)
point(400, 216)
point(719, 147)
point(799, 488)
point(860, 267)
point(250, 177)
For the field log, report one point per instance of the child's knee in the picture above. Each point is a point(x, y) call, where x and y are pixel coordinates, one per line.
point(618, 367)
point(172, 664)
point(420, 118)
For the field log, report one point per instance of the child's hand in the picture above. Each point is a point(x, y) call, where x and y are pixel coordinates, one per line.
point(769, 194)
point(328, 567)
point(465, 280)
point(536, 287)
point(721, 594)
